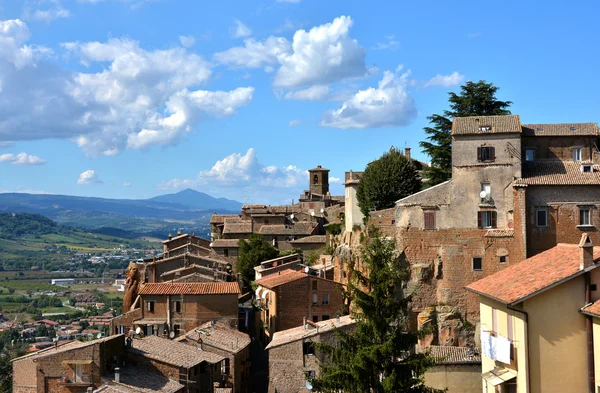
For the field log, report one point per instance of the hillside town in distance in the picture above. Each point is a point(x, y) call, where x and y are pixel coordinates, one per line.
point(497, 283)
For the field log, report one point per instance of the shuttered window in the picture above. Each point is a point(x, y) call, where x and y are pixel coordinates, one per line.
point(486, 153)
point(486, 219)
point(429, 220)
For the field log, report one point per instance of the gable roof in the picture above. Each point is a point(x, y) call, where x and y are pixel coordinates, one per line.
point(229, 243)
point(557, 173)
point(284, 277)
point(172, 352)
point(566, 129)
point(192, 288)
point(533, 275)
point(497, 125)
point(314, 239)
point(299, 228)
point(312, 329)
point(193, 256)
point(235, 228)
point(432, 196)
point(220, 336)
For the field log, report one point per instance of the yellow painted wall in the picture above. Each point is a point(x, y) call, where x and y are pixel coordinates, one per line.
point(596, 330)
point(519, 341)
point(557, 339)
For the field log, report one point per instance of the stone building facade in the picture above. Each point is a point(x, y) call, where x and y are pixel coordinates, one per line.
point(176, 308)
point(290, 297)
point(516, 190)
point(293, 357)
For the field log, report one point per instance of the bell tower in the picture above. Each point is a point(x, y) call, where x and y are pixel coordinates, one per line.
point(319, 180)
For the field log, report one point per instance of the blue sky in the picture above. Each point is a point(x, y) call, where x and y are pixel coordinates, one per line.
point(133, 98)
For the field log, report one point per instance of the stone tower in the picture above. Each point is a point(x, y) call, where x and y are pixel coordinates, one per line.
point(319, 180)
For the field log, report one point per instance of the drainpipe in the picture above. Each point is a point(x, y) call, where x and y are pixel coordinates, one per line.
point(169, 312)
point(527, 347)
point(590, 336)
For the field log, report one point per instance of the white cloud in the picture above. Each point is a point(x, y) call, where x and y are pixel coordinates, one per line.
point(89, 177)
point(21, 159)
point(294, 123)
point(335, 180)
point(453, 79)
point(133, 98)
point(322, 55)
point(313, 93)
point(243, 171)
point(388, 105)
point(391, 43)
point(325, 54)
point(254, 54)
point(187, 40)
point(4, 144)
point(133, 4)
point(126, 184)
point(186, 107)
point(241, 30)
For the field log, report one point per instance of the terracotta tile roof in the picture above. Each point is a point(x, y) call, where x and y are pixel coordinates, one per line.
point(193, 268)
point(500, 233)
point(241, 227)
point(567, 129)
point(61, 348)
point(592, 309)
point(494, 125)
point(453, 355)
point(319, 168)
point(532, 275)
point(433, 196)
point(299, 228)
point(284, 277)
point(220, 218)
point(194, 288)
point(172, 352)
point(229, 243)
point(189, 255)
point(220, 336)
point(253, 206)
point(285, 208)
point(196, 277)
point(314, 239)
point(176, 238)
point(135, 379)
point(312, 329)
point(557, 173)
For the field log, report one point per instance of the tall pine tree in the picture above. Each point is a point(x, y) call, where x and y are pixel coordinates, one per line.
point(376, 356)
point(475, 99)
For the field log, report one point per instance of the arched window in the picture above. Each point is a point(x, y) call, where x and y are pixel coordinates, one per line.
point(316, 179)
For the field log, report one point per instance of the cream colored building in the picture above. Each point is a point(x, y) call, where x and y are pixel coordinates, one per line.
point(534, 330)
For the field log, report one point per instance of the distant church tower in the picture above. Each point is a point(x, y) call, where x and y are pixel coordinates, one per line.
point(319, 180)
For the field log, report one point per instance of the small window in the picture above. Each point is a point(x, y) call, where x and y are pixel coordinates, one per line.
point(541, 218)
point(477, 263)
point(311, 374)
point(503, 259)
point(577, 154)
point(325, 299)
point(486, 219)
point(177, 306)
point(486, 154)
point(586, 168)
point(314, 285)
point(529, 154)
point(149, 330)
point(308, 348)
point(316, 179)
point(324, 317)
point(485, 128)
point(429, 220)
point(585, 216)
point(593, 287)
point(226, 252)
point(225, 366)
point(315, 299)
point(315, 318)
point(150, 305)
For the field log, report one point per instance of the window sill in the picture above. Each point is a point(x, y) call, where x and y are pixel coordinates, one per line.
point(589, 226)
point(477, 270)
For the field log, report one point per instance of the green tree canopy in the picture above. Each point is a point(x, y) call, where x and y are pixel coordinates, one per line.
point(251, 253)
point(375, 356)
point(475, 99)
point(385, 180)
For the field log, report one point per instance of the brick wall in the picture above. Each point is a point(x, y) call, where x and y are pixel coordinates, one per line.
point(562, 204)
point(558, 148)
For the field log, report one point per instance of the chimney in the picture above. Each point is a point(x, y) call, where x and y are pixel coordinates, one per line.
point(117, 375)
point(304, 323)
point(170, 236)
point(586, 252)
point(407, 152)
